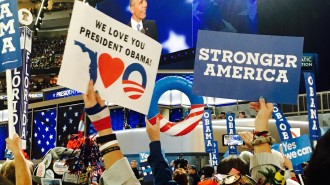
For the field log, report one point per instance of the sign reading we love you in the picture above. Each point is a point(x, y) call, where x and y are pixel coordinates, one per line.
point(122, 62)
point(243, 66)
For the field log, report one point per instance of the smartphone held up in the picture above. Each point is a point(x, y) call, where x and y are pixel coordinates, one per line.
point(232, 140)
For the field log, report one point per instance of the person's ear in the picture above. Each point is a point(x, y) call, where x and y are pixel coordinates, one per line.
point(131, 9)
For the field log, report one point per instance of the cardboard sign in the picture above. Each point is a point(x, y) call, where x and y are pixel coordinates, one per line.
point(122, 62)
point(10, 56)
point(245, 67)
point(215, 154)
point(298, 150)
point(208, 131)
point(143, 156)
point(314, 126)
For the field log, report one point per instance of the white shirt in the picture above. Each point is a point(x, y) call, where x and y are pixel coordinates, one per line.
point(134, 24)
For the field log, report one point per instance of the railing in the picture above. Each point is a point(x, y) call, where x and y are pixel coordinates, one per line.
point(323, 105)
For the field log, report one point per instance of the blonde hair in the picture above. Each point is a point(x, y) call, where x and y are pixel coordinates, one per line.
point(180, 176)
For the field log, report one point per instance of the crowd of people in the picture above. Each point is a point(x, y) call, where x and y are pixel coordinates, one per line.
point(256, 166)
point(47, 52)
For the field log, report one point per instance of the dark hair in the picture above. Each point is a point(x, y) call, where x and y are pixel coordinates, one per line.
point(319, 163)
point(180, 176)
point(233, 161)
point(193, 167)
point(5, 181)
point(208, 170)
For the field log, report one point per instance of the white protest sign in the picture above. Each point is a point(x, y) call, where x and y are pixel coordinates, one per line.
point(122, 62)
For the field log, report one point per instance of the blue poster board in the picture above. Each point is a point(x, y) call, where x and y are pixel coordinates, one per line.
point(227, 63)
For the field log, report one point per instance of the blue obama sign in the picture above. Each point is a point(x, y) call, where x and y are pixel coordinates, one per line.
point(243, 66)
point(10, 50)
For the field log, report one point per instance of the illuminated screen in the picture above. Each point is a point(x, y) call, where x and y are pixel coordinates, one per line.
point(178, 22)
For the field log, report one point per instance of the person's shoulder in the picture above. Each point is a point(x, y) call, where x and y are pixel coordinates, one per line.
point(147, 21)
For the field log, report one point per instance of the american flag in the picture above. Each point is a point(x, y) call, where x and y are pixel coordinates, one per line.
point(44, 132)
point(68, 121)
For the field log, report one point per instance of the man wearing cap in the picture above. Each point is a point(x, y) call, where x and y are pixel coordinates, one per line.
point(138, 8)
point(193, 176)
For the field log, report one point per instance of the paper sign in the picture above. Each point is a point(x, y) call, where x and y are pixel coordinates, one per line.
point(122, 62)
point(245, 67)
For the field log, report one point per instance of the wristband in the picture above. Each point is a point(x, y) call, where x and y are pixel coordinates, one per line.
point(102, 124)
point(261, 140)
point(262, 133)
point(108, 144)
point(93, 110)
point(110, 149)
point(106, 138)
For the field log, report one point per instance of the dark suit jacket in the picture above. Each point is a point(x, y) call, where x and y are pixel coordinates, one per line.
point(150, 28)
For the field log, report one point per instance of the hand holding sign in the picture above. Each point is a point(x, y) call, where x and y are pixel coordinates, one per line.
point(153, 130)
point(14, 144)
point(121, 62)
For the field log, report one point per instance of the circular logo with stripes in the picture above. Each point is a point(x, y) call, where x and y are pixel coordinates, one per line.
point(134, 81)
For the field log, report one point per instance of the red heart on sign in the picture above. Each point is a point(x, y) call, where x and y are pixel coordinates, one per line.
point(110, 69)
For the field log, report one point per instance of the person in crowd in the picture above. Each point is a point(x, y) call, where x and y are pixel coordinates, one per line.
point(233, 162)
point(5, 181)
point(160, 169)
point(180, 162)
point(318, 166)
point(241, 114)
point(214, 117)
point(264, 164)
point(118, 170)
point(172, 166)
point(180, 176)
point(207, 178)
point(18, 170)
point(246, 156)
point(194, 178)
point(138, 8)
point(135, 169)
point(222, 115)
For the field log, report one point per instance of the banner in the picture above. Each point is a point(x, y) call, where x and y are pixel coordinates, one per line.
point(314, 127)
point(20, 86)
point(270, 65)
point(283, 126)
point(215, 154)
point(230, 120)
point(10, 56)
point(122, 62)
point(208, 131)
point(298, 150)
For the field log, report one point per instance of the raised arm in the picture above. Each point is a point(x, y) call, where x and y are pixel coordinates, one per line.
point(264, 164)
point(22, 171)
point(118, 170)
point(160, 169)
point(262, 140)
